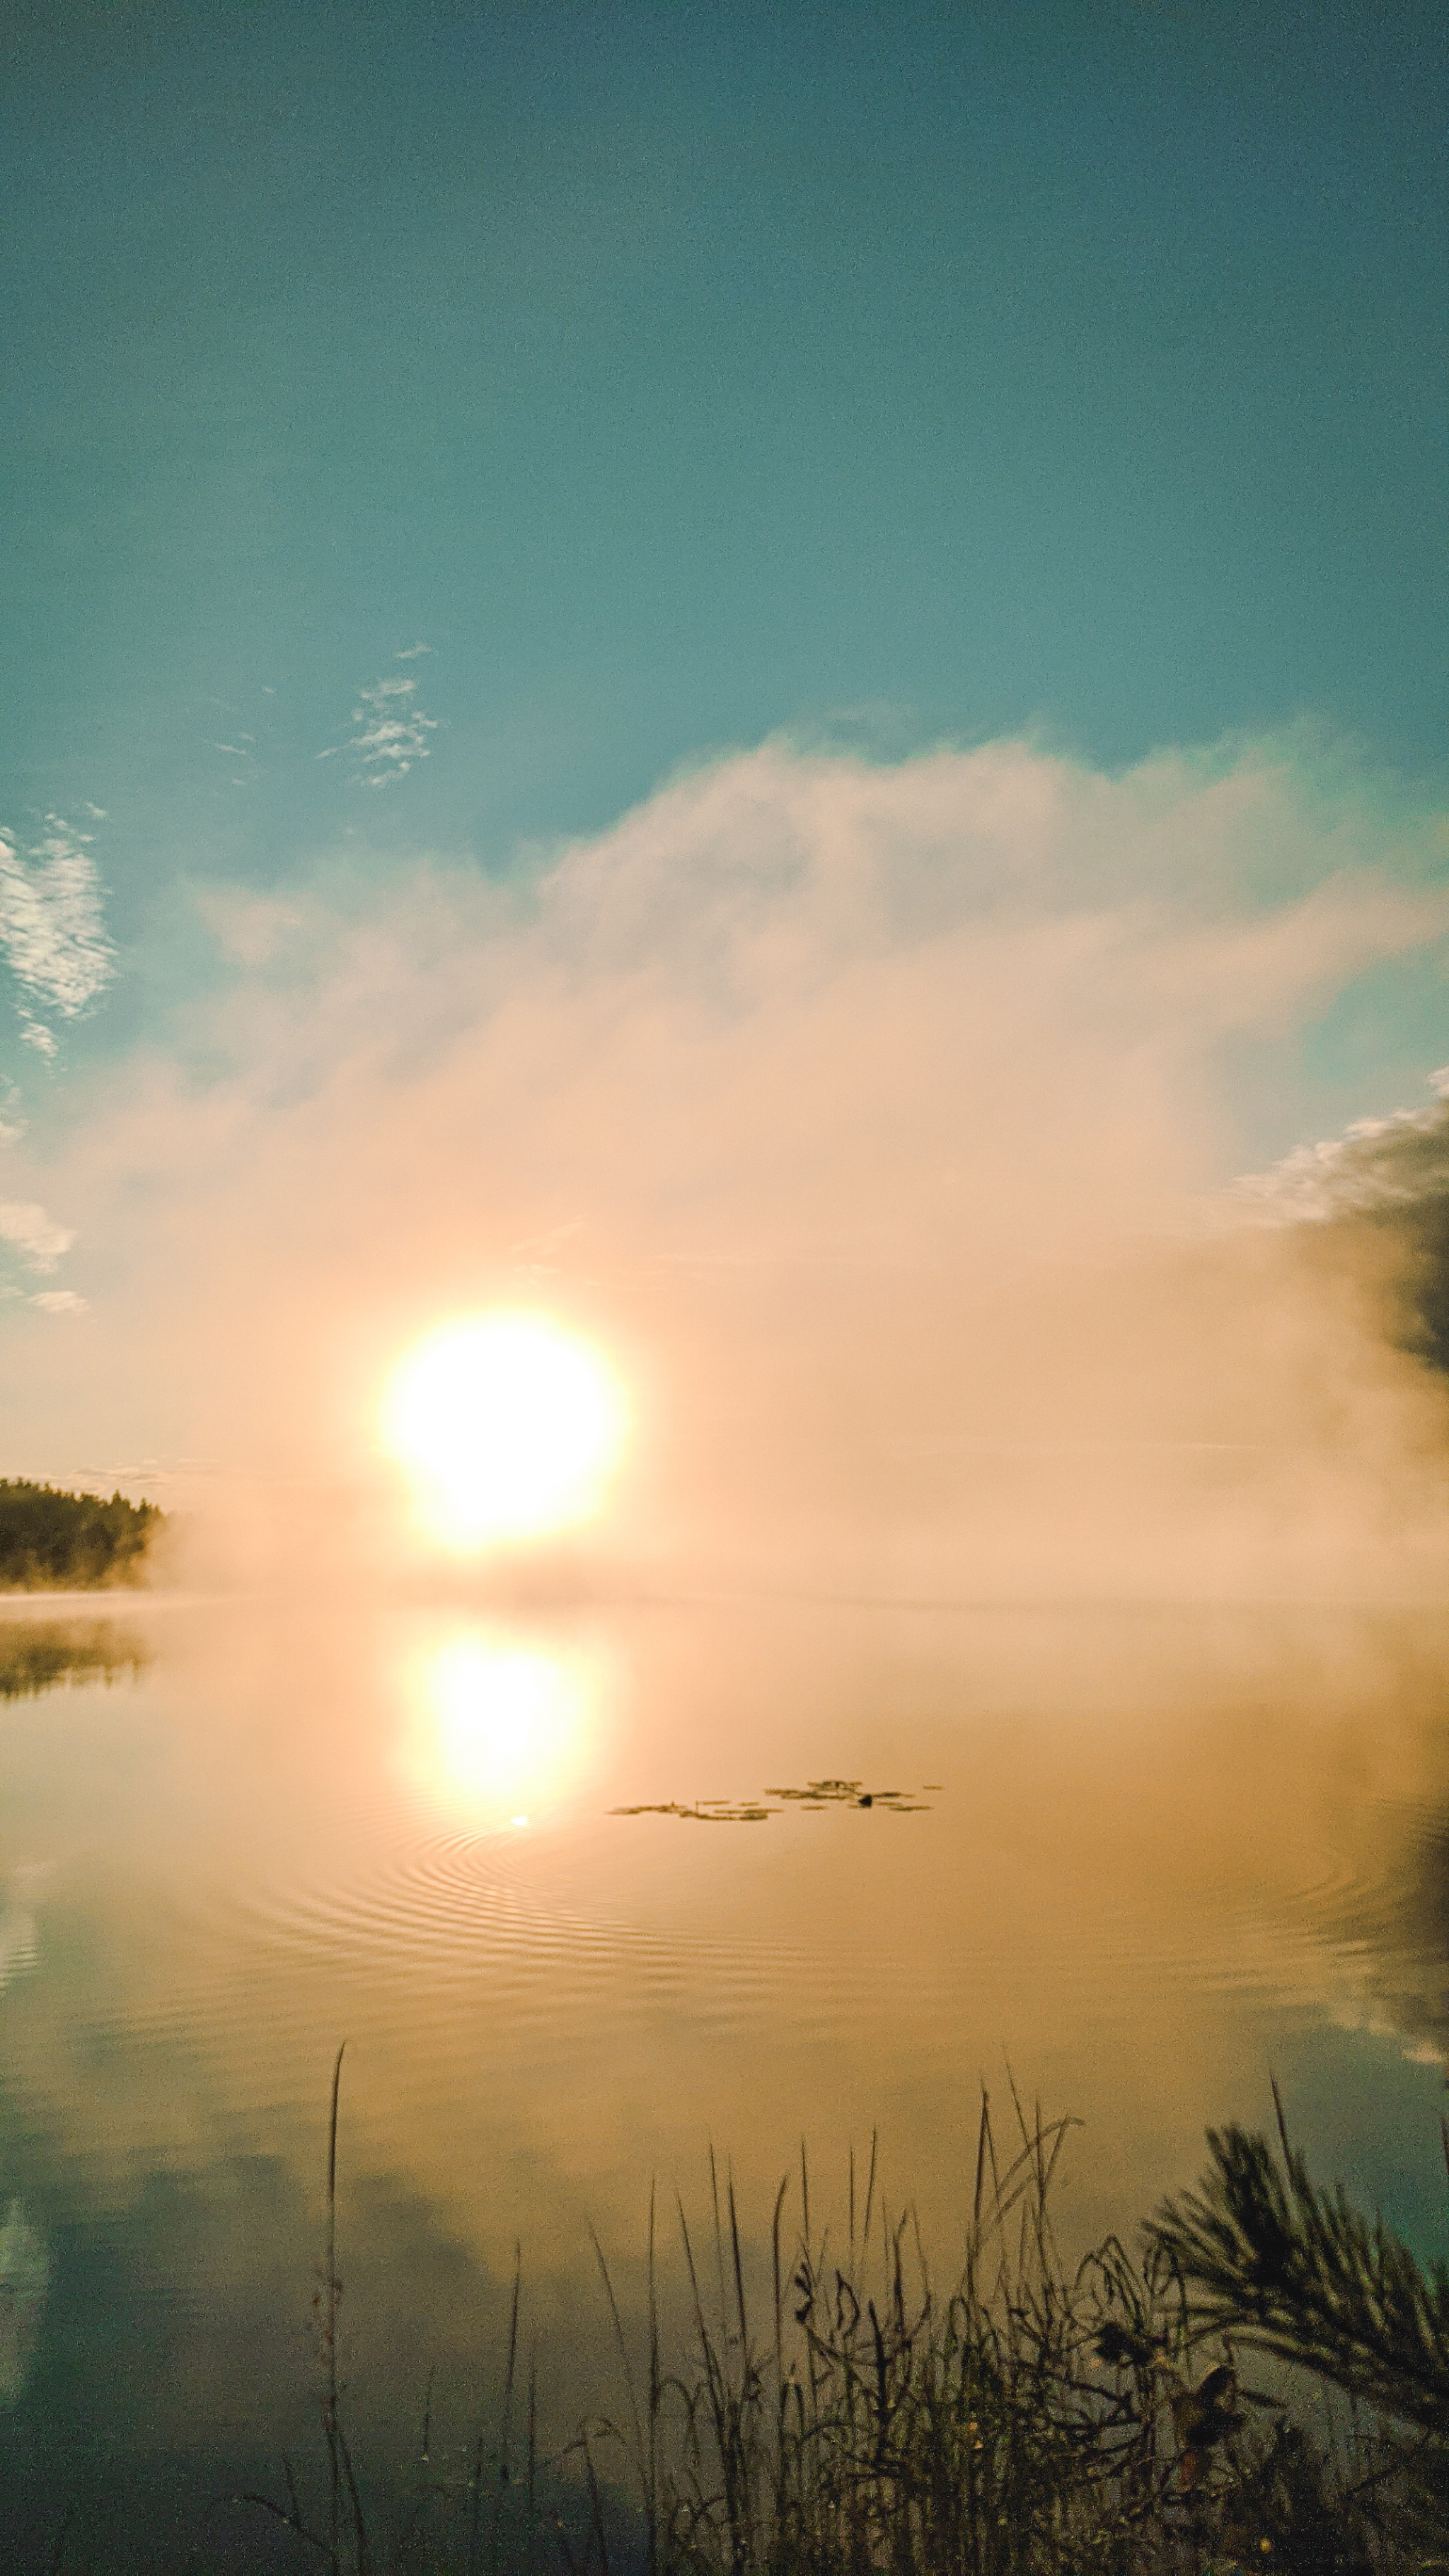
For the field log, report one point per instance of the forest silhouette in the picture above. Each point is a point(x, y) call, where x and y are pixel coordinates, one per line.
point(73, 1542)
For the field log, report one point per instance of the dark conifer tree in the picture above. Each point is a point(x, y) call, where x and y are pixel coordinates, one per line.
point(49, 1537)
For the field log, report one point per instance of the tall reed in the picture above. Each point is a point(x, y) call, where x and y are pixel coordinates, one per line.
point(1032, 2418)
point(832, 2411)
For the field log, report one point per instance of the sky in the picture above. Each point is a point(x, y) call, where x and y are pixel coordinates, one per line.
point(774, 675)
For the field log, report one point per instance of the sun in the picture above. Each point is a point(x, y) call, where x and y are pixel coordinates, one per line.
point(508, 1426)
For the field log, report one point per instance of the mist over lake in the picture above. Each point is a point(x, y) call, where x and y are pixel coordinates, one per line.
point(1171, 1849)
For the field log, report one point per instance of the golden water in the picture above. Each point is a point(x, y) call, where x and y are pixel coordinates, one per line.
point(1148, 1853)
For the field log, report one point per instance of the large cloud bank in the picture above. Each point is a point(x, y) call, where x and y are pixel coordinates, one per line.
point(878, 1118)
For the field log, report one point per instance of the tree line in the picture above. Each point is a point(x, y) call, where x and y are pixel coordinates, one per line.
point(78, 1541)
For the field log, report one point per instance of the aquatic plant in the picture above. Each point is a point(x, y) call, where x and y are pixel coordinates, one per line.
point(752, 1811)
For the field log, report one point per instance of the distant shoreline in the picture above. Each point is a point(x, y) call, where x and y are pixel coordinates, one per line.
point(52, 1541)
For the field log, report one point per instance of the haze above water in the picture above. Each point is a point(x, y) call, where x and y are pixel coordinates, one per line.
point(1164, 1850)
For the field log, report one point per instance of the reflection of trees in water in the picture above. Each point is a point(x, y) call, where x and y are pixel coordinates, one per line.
point(1424, 1903)
point(1416, 1969)
point(1399, 1926)
point(39, 1656)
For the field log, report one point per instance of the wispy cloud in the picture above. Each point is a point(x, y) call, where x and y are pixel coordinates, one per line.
point(34, 1233)
point(242, 749)
point(59, 1301)
point(52, 930)
point(411, 652)
point(390, 733)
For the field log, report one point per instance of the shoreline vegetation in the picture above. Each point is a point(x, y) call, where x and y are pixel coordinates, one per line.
point(1262, 2384)
point(52, 1541)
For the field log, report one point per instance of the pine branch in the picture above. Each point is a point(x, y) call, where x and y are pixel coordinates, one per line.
point(1268, 2256)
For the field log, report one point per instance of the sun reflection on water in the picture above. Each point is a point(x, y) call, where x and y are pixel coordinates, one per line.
point(502, 1727)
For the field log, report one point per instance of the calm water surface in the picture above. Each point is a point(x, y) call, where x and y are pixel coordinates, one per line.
point(1161, 1852)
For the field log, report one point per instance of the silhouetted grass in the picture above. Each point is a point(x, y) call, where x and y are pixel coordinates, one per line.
point(849, 2416)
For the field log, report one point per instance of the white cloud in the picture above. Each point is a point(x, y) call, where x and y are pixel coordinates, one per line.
point(34, 1232)
point(59, 1301)
point(52, 932)
point(411, 653)
point(390, 734)
point(1376, 1166)
point(876, 1117)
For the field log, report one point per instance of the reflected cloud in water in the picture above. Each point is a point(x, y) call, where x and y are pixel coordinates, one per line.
point(501, 1727)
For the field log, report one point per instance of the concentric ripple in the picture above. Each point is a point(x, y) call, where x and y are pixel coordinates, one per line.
point(444, 1909)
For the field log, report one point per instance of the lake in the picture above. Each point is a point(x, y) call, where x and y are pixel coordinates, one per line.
point(1137, 1858)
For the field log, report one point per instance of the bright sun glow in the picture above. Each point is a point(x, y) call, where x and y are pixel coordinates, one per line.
point(508, 1426)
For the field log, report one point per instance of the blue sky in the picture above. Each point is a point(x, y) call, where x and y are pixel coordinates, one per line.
point(683, 373)
point(428, 428)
